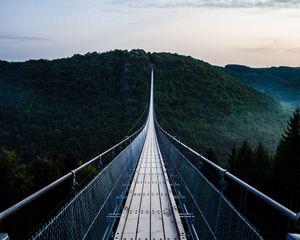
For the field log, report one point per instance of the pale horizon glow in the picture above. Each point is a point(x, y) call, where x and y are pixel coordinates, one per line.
point(258, 33)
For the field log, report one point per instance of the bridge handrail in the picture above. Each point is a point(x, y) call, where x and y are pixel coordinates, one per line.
point(295, 217)
point(4, 214)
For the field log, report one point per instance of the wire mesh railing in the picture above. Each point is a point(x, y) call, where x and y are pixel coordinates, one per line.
point(214, 217)
point(273, 220)
point(85, 216)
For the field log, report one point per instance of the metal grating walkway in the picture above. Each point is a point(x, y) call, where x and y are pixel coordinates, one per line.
point(150, 211)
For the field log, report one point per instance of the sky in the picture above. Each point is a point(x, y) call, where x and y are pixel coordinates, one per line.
point(258, 33)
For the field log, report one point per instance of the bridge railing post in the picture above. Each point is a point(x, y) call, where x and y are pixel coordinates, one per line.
point(199, 163)
point(223, 183)
point(74, 182)
point(100, 163)
point(4, 236)
point(293, 236)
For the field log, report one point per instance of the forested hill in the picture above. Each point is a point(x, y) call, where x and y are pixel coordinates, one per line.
point(282, 83)
point(84, 104)
point(80, 105)
point(210, 109)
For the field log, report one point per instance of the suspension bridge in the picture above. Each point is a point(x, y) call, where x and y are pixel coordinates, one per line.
point(150, 191)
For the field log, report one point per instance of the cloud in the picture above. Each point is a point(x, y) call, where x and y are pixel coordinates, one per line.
point(293, 50)
point(293, 15)
point(4, 36)
point(261, 50)
point(114, 10)
point(210, 3)
point(269, 50)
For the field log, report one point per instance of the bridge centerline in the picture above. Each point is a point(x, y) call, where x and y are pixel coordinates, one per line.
point(150, 211)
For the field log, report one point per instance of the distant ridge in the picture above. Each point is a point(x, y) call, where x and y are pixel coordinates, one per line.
point(282, 83)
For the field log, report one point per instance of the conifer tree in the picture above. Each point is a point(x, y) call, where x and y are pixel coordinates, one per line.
point(15, 181)
point(287, 164)
point(232, 159)
point(244, 162)
point(261, 166)
point(211, 155)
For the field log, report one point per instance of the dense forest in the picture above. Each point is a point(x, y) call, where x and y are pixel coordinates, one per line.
point(79, 105)
point(276, 176)
point(57, 114)
point(280, 170)
point(207, 108)
point(282, 83)
point(82, 105)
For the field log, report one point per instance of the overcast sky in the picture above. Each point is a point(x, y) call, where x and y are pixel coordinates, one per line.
point(251, 32)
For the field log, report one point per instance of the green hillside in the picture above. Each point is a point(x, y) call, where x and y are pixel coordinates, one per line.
point(84, 104)
point(282, 83)
point(210, 109)
point(80, 105)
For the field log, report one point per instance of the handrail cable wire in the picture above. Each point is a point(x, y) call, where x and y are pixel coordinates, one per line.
point(4, 214)
point(295, 217)
point(140, 117)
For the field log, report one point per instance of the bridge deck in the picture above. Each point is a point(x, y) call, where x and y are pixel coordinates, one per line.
point(150, 211)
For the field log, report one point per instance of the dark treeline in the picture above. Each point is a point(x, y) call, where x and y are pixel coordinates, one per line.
point(277, 176)
point(18, 180)
point(26, 178)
